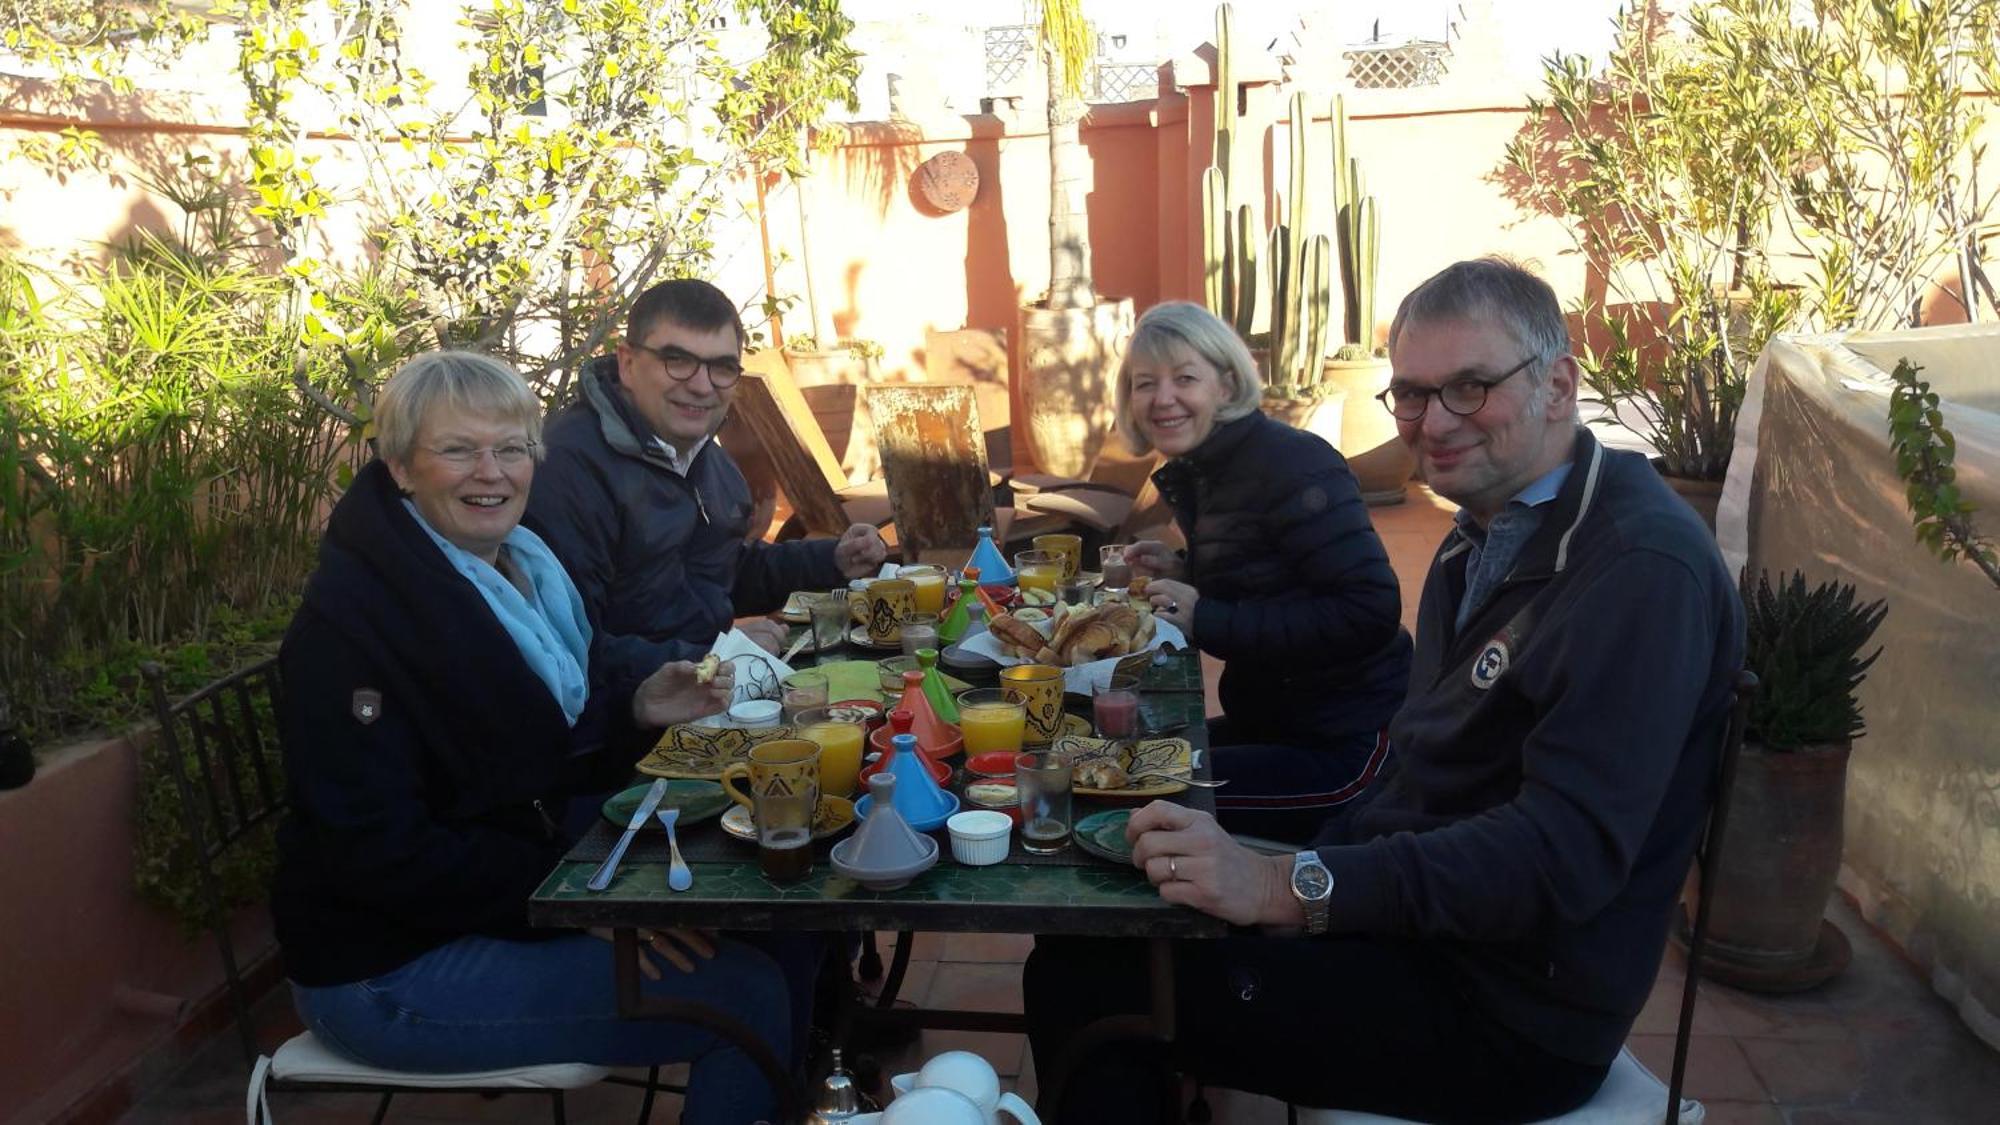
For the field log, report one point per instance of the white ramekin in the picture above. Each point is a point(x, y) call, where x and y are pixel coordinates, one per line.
point(979, 837)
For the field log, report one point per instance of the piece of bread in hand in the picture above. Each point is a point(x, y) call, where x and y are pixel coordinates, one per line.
point(705, 671)
point(1138, 587)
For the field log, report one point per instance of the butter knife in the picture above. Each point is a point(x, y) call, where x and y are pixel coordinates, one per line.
point(647, 804)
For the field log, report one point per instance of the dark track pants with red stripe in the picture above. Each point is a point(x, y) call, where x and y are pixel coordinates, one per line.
point(1285, 793)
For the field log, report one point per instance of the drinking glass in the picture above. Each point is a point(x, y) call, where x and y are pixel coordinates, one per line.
point(1074, 591)
point(840, 733)
point(830, 614)
point(1117, 572)
point(919, 631)
point(803, 692)
point(1038, 570)
point(990, 720)
point(1044, 780)
point(1114, 707)
point(930, 581)
point(784, 835)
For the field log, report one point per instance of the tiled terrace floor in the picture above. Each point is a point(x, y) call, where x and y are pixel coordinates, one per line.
point(1874, 1047)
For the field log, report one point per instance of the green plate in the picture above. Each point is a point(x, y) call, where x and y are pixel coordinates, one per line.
point(1102, 834)
point(697, 800)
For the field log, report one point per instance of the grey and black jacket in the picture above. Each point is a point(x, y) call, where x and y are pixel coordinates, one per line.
point(662, 561)
point(1552, 766)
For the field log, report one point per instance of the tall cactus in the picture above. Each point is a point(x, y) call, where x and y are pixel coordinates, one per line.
point(1229, 243)
point(1357, 225)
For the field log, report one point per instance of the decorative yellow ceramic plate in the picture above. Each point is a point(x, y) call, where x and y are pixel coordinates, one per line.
point(795, 609)
point(1151, 755)
point(832, 815)
point(686, 750)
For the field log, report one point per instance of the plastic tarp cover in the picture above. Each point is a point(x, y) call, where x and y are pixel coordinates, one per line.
point(1813, 488)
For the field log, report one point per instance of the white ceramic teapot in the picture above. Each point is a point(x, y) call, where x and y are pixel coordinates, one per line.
point(970, 1076)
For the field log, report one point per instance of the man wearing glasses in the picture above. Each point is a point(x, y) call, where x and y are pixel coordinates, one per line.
point(649, 515)
point(1481, 928)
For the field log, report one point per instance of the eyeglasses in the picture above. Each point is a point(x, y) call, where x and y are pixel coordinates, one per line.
point(1462, 396)
point(511, 455)
point(723, 371)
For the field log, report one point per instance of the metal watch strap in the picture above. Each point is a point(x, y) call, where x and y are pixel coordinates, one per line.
point(1316, 908)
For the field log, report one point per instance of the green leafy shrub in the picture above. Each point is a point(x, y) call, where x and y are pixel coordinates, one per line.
point(1805, 647)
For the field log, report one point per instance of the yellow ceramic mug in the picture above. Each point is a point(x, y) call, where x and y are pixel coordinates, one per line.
point(1068, 547)
point(889, 600)
point(782, 767)
point(1040, 688)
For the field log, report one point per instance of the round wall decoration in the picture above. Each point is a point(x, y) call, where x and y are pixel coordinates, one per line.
point(948, 181)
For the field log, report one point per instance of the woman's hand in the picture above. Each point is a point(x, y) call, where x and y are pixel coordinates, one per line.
point(674, 695)
point(1153, 559)
point(1195, 863)
point(672, 943)
point(1174, 601)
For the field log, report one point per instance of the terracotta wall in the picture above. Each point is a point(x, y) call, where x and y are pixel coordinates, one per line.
point(90, 978)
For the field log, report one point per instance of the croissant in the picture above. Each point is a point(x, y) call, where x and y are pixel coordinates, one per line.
point(1111, 629)
point(1016, 637)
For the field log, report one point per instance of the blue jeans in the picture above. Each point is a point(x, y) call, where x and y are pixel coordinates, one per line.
point(480, 1003)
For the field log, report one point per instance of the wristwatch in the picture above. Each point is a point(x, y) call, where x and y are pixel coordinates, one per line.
point(1312, 885)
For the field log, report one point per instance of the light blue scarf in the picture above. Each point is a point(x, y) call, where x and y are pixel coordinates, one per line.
point(551, 630)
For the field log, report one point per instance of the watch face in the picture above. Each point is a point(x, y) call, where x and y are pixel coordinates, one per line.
point(1312, 882)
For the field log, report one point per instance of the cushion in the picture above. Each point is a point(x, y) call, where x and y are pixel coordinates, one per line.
point(304, 1058)
point(1630, 1096)
point(1098, 508)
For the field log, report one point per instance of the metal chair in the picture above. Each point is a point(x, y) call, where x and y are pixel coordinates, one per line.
point(221, 746)
point(1631, 1093)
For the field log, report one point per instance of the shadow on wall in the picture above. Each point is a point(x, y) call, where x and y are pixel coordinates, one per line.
point(880, 170)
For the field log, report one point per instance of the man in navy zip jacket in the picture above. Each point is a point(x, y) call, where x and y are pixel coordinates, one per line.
point(1482, 927)
point(648, 514)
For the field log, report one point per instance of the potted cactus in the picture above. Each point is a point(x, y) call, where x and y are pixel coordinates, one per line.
point(1781, 851)
point(1312, 279)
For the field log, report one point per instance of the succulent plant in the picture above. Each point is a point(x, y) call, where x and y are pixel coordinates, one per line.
point(1805, 647)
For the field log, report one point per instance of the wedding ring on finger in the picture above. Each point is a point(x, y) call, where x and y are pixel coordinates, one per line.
point(1173, 869)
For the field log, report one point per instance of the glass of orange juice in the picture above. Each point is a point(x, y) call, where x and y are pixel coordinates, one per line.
point(1038, 570)
point(839, 733)
point(991, 721)
point(930, 580)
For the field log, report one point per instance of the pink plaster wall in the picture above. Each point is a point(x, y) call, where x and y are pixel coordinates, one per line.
point(74, 938)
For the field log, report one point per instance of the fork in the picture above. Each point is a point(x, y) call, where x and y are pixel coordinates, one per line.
point(679, 878)
point(1183, 779)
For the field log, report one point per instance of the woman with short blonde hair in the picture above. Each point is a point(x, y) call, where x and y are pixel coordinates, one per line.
point(1283, 576)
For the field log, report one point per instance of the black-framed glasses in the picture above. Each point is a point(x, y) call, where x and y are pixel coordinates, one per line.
point(1461, 396)
point(723, 370)
point(511, 454)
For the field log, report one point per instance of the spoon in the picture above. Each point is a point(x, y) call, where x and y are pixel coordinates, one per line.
point(679, 877)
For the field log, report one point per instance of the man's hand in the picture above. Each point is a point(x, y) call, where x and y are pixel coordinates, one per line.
point(674, 694)
point(1195, 863)
point(768, 635)
point(1153, 559)
point(1174, 601)
point(672, 943)
point(860, 551)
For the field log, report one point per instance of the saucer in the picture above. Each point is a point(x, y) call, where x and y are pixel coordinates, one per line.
point(832, 815)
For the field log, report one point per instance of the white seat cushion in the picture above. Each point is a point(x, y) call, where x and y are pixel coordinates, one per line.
point(304, 1058)
point(1098, 508)
point(1630, 1096)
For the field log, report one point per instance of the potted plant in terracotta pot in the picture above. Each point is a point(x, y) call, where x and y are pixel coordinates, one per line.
point(1781, 851)
point(1068, 351)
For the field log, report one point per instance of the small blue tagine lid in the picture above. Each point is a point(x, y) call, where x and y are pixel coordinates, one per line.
point(993, 568)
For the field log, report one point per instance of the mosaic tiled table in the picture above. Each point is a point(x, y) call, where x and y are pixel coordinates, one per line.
point(1011, 897)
